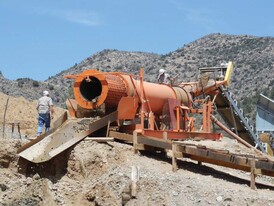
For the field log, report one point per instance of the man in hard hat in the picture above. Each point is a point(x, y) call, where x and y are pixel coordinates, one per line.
point(163, 77)
point(45, 112)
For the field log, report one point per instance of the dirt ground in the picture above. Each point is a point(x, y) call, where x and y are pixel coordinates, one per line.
point(96, 174)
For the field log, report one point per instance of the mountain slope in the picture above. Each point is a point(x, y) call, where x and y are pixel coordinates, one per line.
point(253, 58)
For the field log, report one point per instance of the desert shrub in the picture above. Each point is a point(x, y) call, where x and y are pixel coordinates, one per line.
point(51, 87)
point(35, 84)
point(20, 83)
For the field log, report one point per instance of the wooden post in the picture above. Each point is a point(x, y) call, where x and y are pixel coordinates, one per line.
point(135, 141)
point(174, 160)
point(165, 135)
point(134, 180)
point(108, 129)
point(12, 129)
point(4, 120)
point(252, 175)
point(18, 126)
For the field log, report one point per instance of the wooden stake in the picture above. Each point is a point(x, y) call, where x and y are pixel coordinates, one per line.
point(134, 180)
point(135, 142)
point(4, 120)
point(252, 175)
point(100, 139)
point(108, 129)
point(174, 159)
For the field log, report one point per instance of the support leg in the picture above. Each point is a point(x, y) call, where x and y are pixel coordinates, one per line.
point(174, 159)
point(135, 142)
point(252, 176)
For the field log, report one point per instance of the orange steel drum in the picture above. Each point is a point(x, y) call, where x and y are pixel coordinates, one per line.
point(93, 88)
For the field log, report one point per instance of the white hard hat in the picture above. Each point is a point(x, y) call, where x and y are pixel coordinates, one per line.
point(161, 71)
point(45, 93)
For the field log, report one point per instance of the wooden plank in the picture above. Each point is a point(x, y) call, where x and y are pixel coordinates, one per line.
point(136, 144)
point(225, 151)
point(252, 175)
point(121, 136)
point(219, 151)
point(99, 139)
point(217, 157)
point(159, 143)
point(175, 135)
point(228, 160)
point(265, 165)
point(174, 159)
point(216, 162)
point(267, 172)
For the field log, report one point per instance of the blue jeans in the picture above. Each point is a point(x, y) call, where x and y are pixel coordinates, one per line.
point(43, 119)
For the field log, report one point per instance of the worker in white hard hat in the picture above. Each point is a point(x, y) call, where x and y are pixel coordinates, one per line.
point(45, 112)
point(163, 77)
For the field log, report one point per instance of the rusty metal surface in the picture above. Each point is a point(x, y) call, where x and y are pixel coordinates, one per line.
point(117, 90)
point(109, 88)
point(127, 108)
point(71, 105)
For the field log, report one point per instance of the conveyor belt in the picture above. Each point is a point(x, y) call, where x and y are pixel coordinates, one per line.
point(233, 116)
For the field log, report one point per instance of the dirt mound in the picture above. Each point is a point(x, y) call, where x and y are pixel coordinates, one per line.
point(100, 174)
point(8, 152)
point(22, 111)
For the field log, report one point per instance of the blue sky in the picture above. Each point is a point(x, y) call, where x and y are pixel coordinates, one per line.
point(40, 38)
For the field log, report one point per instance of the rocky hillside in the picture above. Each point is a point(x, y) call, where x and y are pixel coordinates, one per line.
point(253, 58)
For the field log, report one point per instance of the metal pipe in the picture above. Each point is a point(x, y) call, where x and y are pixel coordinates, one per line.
point(239, 139)
point(223, 127)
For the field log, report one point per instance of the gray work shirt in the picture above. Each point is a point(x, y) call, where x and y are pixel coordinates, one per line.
point(43, 105)
point(163, 78)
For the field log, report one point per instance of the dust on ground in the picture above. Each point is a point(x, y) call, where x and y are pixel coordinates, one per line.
point(94, 173)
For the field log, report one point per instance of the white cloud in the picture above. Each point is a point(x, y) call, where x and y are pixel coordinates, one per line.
point(81, 17)
point(199, 16)
point(76, 16)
